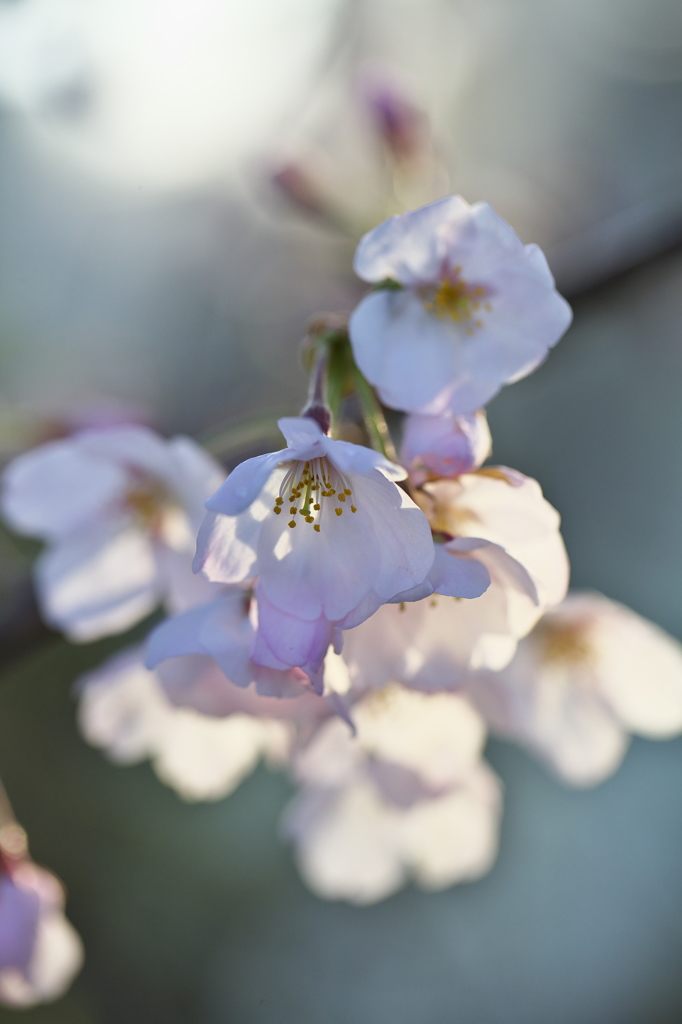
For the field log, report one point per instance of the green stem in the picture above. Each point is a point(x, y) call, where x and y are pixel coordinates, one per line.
point(374, 418)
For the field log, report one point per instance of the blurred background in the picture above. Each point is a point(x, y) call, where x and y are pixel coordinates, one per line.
point(182, 185)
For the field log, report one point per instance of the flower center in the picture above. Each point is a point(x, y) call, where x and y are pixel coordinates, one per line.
point(147, 503)
point(568, 644)
point(455, 299)
point(309, 488)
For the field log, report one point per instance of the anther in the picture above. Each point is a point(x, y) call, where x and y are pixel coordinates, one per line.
point(277, 510)
point(339, 511)
point(316, 527)
point(347, 491)
point(342, 496)
point(353, 508)
point(279, 501)
point(292, 524)
point(308, 519)
point(293, 510)
point(316, 507)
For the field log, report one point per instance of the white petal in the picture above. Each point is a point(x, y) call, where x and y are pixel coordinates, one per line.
point(57, 488)
point(437, 736)
point(406, 247)
point(302, 434)
point(346, 844)
point(405, 352)
point(57, 958)
point(454, 838)
point(245, 483)
point(121, 708)
point(206, 758)
point(99, 582)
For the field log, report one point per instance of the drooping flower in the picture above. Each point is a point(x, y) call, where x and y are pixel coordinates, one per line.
point(118, 509)
point(327, 531)
point(203, 733)
point(407, 796)
point(500, 524)
point(444, 446)
point(40, 952)
point(591, 673)
point(473, 308)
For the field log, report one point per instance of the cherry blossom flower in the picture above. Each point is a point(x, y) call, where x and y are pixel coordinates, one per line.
point(39, 950)
point(591, 673)
point(407, 796)
point(444, 446)
point(327, 531)
point(118, 509)
point(470, 308)
point(501, 524)
point(203, 734)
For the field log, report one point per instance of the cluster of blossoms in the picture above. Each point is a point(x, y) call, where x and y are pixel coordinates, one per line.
point(358, 617)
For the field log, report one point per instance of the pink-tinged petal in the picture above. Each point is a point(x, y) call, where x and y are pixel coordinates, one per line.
point(408, 375)
point(57, 488)
point(293, 641)
point(245, 483)
point(455, 574)
point(98, 583)
point(409, 248)
point(444, 446)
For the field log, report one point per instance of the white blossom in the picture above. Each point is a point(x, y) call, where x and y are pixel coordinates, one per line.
point(475, 308)
point(405, 796)
point(591, 673)
point(118, 509)
point(202, 733)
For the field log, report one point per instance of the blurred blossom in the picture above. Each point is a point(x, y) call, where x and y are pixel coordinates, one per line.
point(407, 796)
point(470, 308)
point(592, 672)
point(328, 532)
point(118, 509)
point(203, 734)
point(444, 446)
point(39, 950)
